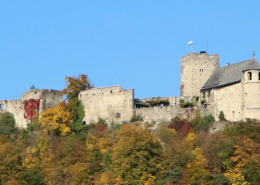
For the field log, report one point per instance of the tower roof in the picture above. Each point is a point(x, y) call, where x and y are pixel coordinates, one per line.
point(230, 74)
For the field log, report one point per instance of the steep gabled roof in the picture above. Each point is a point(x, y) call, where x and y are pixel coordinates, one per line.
point(230, 74)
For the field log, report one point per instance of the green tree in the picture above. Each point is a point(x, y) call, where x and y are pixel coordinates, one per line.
point(33, 176)
point(7, 125)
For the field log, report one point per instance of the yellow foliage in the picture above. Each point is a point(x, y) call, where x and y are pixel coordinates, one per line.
point(148, 179)
point(191, 137)
point(105, 178)
point(119, 180)
point(57, 118)
point(246, 149)
point(198, 169)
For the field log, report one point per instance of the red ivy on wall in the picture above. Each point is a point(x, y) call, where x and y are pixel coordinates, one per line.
point(30, 107)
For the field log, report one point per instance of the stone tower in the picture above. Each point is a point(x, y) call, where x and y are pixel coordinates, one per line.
point(251, 90)
point(195, 71)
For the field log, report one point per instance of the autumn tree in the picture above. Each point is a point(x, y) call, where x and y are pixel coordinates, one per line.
point(74, 86)
point(136, 155)
point(61, 118)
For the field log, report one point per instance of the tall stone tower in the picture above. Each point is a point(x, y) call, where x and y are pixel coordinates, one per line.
point(195, 71)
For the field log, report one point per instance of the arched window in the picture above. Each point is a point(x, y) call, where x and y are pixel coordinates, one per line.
point(249, 74)
point(259, 76)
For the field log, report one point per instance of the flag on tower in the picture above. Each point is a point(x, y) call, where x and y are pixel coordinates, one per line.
point(190, 43)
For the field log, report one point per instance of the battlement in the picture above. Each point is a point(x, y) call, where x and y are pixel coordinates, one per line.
point(103, 91)
point(199, 56)
point(38, 93)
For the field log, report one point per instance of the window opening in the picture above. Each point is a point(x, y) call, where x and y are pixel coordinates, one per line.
point(249, 74)
point(1, 107)
point(118, 115)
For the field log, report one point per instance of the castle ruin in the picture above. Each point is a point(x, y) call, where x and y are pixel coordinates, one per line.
point(233, 89)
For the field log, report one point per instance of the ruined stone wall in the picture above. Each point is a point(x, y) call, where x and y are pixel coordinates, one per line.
point(48, 98)
point(113, 104)
point(158, 114)
point(173, 100)
point(195, 71)
point(17, 109)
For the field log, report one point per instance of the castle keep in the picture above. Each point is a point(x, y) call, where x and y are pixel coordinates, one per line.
point(233, 89)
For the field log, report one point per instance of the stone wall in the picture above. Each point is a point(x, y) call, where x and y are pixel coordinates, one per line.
point(48, 98)
point(113, 104)
point(195, 71)
point(158, 114)
point(173, 100)
point(227, 99)
point(17, 109)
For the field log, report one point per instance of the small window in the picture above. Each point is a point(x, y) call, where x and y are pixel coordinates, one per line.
point(111, 91)
point(203, 95)
point(118, 115)
point(249, 74)
point(1, 107)
point(209, 94)
point(259, 76)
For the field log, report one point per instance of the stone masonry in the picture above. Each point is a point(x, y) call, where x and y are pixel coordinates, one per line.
point(113, 104)
point(44, 98)
point(195, 71)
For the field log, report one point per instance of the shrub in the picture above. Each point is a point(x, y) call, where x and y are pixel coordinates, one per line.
point(202, 101)
point(221, 116)
point(184, 104)
point(136, 118)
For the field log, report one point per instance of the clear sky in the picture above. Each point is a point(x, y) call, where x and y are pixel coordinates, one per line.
point(137, 44)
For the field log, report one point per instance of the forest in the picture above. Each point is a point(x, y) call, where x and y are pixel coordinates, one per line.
point(59, 149)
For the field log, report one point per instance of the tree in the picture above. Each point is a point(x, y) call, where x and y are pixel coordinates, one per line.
point(57, 120)
point(74, 86)
point(33, 176)
point(7, 125)
point(136, 155)
point(66, 116)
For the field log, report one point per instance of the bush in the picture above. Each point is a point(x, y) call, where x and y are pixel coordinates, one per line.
point(184, 104)
point(136, 118)
point(202, 123)
point(221, 116)
point(203, 101)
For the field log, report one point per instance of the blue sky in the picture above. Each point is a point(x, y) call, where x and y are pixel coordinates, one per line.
point(135, 44)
